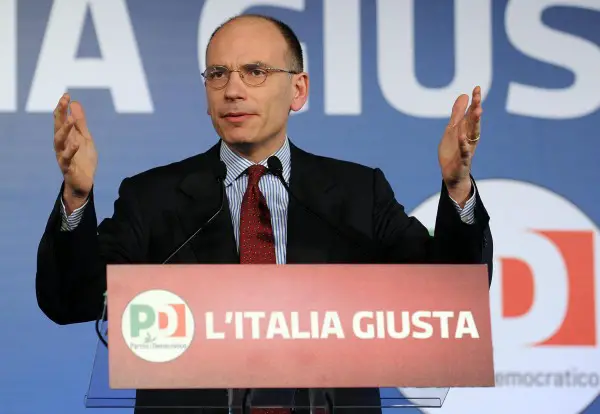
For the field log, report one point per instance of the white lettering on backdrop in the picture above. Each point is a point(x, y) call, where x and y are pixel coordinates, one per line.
point(120, 67)
point(581, 57)
point(8, 53)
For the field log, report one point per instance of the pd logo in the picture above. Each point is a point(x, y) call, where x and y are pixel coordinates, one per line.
point(158, 326)
point(543, 302)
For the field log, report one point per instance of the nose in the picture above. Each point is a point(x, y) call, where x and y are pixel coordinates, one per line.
point(235, 88)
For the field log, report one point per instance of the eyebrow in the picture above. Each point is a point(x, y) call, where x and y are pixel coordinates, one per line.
point(255, 62)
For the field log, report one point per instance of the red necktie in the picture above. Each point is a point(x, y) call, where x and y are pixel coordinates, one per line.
point(257, 242)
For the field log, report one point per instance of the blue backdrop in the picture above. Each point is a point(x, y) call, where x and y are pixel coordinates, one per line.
point(384, 75)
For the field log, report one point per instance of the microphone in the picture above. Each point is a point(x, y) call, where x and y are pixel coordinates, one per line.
point(220, 172)
point(359, 240)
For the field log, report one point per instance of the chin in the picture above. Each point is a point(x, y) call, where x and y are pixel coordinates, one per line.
point(239, 135)
point(239, 139)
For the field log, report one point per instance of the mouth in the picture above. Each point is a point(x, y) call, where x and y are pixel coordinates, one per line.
point(237, 116)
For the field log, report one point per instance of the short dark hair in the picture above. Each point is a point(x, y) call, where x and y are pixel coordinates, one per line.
point(295, 50)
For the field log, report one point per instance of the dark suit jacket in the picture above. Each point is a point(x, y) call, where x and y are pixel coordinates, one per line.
point(158, 209)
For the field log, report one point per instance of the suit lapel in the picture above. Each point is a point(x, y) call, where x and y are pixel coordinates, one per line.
point(309, 239)
point(200, 198)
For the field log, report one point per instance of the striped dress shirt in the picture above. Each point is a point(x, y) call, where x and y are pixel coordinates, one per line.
point(275, 194)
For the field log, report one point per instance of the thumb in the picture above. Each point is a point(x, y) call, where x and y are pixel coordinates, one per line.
point(79, 115)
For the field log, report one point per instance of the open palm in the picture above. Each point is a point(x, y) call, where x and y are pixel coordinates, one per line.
point(74, 147)
point(457, 147)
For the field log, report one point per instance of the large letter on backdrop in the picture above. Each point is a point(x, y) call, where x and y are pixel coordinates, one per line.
point(215, 12)
point(342, 57)
point(119, 69)
point(528, 34)
point(396, 57)
point(8, 53)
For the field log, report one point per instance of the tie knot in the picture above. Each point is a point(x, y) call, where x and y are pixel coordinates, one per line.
point(254, 174)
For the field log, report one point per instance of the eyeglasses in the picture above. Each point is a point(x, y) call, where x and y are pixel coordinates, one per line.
point(251, 74)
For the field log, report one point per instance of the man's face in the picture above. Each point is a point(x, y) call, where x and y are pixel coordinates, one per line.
point(243, 114)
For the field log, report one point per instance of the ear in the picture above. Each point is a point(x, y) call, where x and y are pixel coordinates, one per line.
point(206, 100)
point(300, 85)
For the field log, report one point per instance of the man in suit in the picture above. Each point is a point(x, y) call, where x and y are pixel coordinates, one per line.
point(254, 78)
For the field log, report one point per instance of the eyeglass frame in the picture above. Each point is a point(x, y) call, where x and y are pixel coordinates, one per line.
point(267, 69)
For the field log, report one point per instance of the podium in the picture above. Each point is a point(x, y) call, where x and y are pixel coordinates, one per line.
point(313, 338)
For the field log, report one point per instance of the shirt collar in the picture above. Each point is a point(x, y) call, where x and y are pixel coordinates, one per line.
point(237, 164)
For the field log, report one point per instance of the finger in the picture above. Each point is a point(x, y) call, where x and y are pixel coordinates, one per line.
point(476, 99)
point(463, 142)
point(474, 114)
point(79, 115)
point(60, 112)
point(474, 123)
point(60, 137)
point(67, 155)
point(458, 109)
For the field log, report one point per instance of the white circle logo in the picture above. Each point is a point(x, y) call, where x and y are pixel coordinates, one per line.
point(542, 302)
point(157, 326)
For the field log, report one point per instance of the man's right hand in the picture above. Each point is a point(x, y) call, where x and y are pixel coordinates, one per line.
point(75, 152)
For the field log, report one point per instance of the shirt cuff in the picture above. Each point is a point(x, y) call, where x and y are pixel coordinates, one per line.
point(467, 213)
point(70, 223)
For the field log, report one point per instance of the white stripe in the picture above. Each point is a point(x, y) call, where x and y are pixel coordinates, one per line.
point(467, 213)
point(69, 223)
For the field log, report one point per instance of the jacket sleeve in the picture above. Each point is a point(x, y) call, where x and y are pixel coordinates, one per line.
point(71, 265)
point(405, 239)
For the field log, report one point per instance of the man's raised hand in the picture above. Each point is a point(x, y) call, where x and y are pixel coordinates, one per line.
point(458, 144)
point(75, 152)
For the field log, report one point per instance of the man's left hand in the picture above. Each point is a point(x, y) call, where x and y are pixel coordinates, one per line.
point(458, 144)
